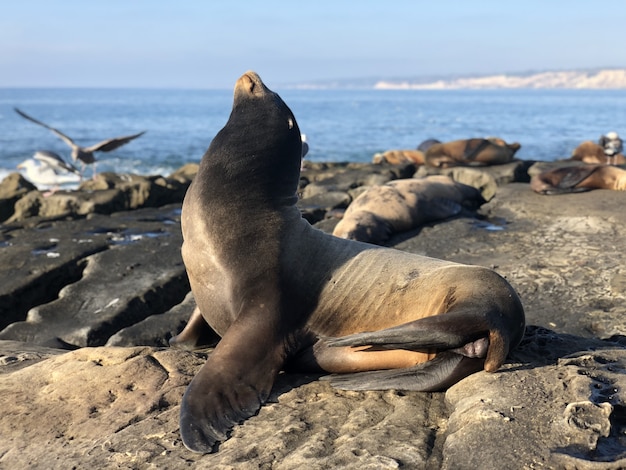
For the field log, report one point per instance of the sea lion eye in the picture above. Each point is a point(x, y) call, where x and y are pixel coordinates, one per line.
point(290, 123)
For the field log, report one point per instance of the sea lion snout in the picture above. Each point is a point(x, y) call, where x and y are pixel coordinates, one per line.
point(251, 84)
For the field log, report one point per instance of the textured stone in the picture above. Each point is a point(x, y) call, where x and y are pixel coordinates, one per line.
point(557, 403)
point(12, 189)
point(107, 193)
point(562, 405)
point(76, 283)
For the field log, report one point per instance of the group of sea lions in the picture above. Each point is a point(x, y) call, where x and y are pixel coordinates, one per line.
point(599, 172)
point(285, 296)
point(573, 179)
point(402, 205)
point(464, 152)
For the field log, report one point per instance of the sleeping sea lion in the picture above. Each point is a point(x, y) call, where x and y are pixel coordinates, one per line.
point(426, 144)
point(574, 179)
point(397, 157)
point(404, 204)
point(471, 152)
point(592, 153)
point(285, 296)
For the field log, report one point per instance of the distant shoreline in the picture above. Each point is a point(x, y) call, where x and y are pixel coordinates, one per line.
point(597, 79)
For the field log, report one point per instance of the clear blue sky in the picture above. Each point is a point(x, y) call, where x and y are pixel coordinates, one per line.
point(209, 43)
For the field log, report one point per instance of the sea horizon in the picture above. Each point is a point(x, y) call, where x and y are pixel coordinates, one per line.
point(341, 125)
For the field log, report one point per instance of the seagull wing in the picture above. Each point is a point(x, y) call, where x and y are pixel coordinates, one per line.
point(112, 144)
point(54, 161)
point(60, 134)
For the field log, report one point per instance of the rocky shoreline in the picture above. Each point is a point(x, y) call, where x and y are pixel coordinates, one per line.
point(94, 286)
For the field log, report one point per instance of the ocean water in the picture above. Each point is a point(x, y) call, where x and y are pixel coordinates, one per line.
point(340, 125)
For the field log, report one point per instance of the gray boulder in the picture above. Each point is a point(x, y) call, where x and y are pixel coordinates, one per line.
point(108, 193)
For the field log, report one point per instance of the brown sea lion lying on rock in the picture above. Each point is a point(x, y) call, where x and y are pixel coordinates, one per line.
point(592, 153)
point(471, 152)
point(402, 205)
point(397, 157)
point(574, 179)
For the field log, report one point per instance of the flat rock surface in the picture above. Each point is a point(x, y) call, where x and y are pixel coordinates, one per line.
point(559, 402)
point(112, 407)
point(76, 283)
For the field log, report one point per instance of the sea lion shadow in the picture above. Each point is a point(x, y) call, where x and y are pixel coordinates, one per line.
point(542, 347)
point(288, 381)
point(401, 237)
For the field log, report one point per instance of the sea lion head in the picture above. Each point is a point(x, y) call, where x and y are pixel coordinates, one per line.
point(364, 225)
point(260, 145)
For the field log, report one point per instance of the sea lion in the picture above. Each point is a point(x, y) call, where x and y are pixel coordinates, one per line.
point(404, 204)
point(426, 144)
point(592, 153)
point(285, 296)
point(397, 157)
point(471, 152)
point(574, 179)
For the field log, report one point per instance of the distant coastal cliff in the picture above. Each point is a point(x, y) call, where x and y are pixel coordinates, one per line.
point(606, 78)
point(598, 79)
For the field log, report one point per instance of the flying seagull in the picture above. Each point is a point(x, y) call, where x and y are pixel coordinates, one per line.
point(49, 169)
point(84, 154)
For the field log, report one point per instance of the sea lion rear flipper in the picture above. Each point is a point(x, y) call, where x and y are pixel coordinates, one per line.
point(465, 331)
point(437, 374)
point(439, 208)
point(231, 387)
point(440, 332)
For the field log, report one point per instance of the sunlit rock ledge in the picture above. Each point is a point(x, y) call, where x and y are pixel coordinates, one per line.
point(599, 79)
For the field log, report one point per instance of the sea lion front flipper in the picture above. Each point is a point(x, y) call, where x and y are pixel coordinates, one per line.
point(437, 374)
point(196, 334)
point(572, 176)
point(231, 387)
